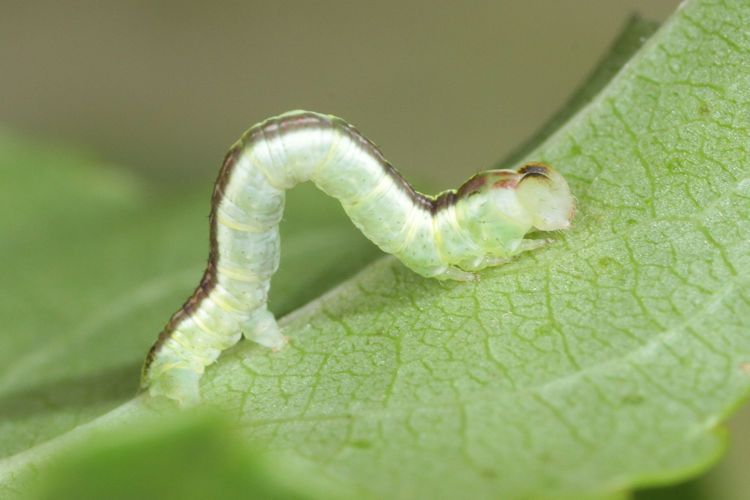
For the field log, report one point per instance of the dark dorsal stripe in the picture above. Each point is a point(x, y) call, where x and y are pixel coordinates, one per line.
point(534, 169)
point(209, 279)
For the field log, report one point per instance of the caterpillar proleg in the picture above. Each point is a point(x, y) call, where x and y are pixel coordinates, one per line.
point(449, 236)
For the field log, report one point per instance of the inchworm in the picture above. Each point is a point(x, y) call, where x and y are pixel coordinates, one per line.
point(449, 236)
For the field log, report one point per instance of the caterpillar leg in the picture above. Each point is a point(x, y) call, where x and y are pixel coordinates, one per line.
point(263, 329)
point(525, 246)
point(457, 274)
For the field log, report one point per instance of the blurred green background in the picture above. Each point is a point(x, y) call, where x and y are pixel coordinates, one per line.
point(445, 88)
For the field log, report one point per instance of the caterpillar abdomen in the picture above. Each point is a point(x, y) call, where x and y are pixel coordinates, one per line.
point(450, 236)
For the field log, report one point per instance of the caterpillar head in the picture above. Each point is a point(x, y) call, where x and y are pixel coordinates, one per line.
point(498, 207)
point(545, 195)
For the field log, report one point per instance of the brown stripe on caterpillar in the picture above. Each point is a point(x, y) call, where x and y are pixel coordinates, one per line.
point(538, 169)
point(305, 120)
point(209, 279)
point(301, 121)
point(504, 179)
point(230, 160)
point(443, 200)
point(471, 186)
point(424, 202)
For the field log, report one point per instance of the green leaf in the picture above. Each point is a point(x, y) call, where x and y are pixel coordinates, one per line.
point(601, 362)
point(207, 455)
point(633, 35)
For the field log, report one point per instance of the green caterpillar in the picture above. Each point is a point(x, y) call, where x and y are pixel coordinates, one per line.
point(450, 236)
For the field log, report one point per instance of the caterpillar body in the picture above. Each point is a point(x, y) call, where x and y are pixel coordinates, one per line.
point(450, 236)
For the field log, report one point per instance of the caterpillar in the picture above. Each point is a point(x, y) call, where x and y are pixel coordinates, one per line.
point(449, 236)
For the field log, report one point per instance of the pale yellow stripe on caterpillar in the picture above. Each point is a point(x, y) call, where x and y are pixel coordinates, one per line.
point(236, 219)
point(411, 225)
point(445, 225)
point(437, 234)
point(265, 143)
point(259, 165)
point(194, 348)
point(384, 185)
point(195, 318)
point(238, 307)
point(223, 218)
point(343, 186)
point(327, 159)
point(256, 205)
point(189, 350)
point(220, 301)
point(238, 274)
